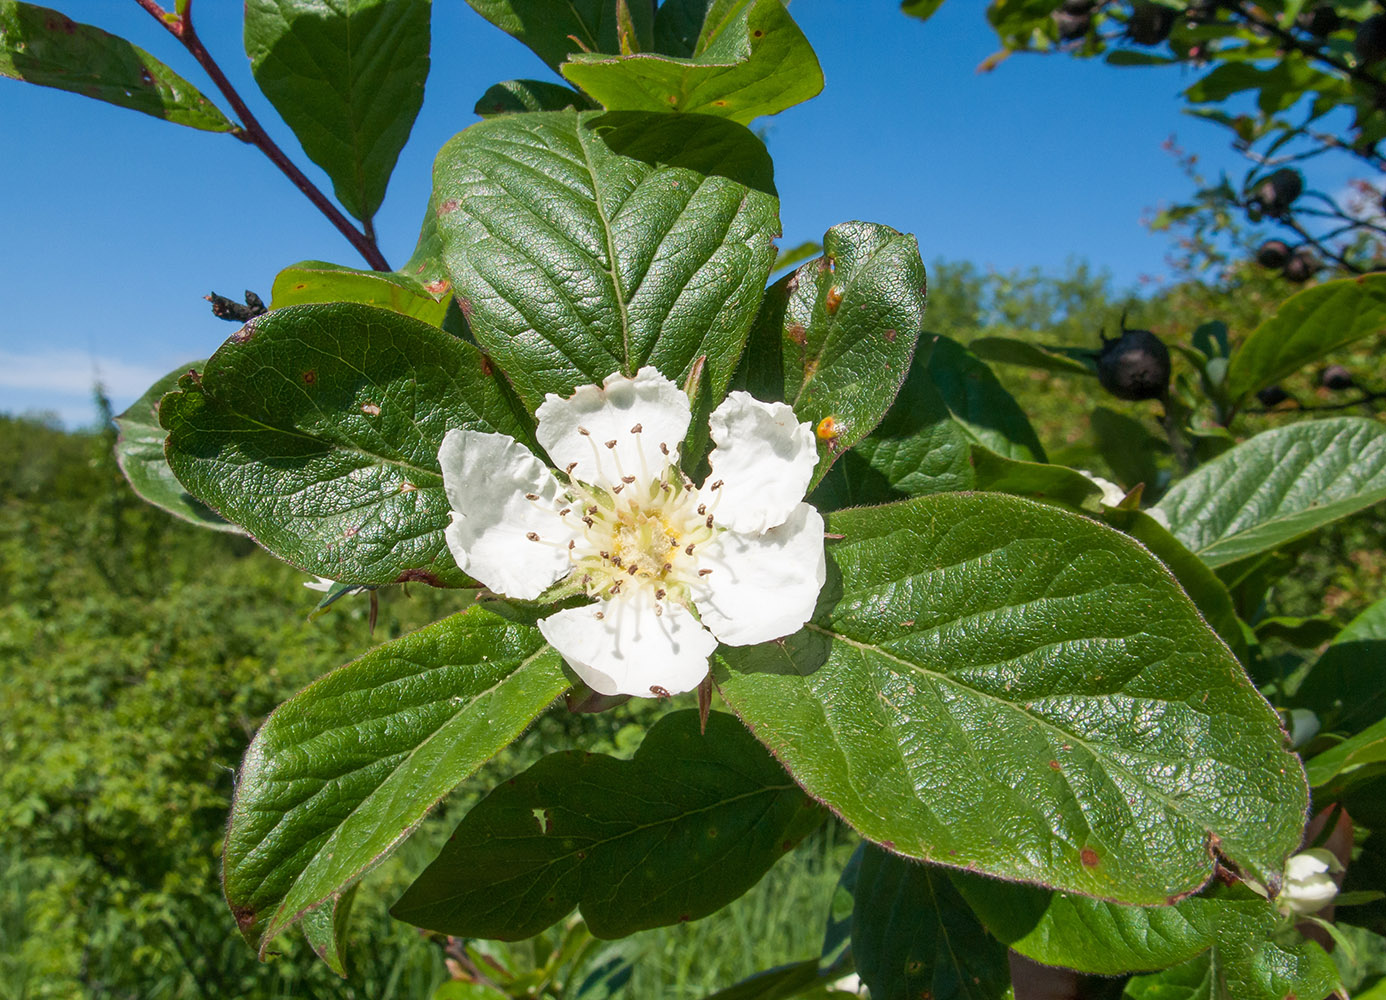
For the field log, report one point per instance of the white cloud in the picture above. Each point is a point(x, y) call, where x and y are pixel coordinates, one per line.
point(73, 373)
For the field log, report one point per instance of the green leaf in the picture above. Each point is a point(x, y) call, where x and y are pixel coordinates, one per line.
point(779, 983)
point(139, 451)
point(757, 63)
point(1273, 971)
point(682, 829)
point(1044, 357)
point(312, 281)
point(835, 338)
point(584, 244)
point(1306, 327)
point(913, 936)
point(1347, 685)
point(1037, 480)
point(341, 773)
point(997, 683)
point(348, 77)
point(1208, 592)
point(922, 9)
point(331, 469)
point(1367, 747)
point(325, 928)
point(950, 401)
point(1280, 485)
point(556, 28)
point(518, 96)
point(48, 48)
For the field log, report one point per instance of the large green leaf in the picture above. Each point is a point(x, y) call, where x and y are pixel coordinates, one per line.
point(312, 281)
point(341, 773)
point(1306, 327)
point(1278, 486)
point(523, 96)
point(1347, 685)
point(140, 452)
point(348, 77)
point(835, 338)
point(556, 28)
point(689, 824)
point(317, 427)
point(913, 936)
point(755, 61)
point(1273, 971)
point(1044, 357)
point(46, 47)
point(950, 401)
point(584, 244)
point(1366, 748)
point(995, 683)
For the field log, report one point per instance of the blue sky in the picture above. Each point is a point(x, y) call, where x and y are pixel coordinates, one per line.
point(117, 223)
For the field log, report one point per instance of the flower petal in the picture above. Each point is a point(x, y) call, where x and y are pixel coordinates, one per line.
point(487, 478)
point(764, 459)
point(612, 412)
point(762, 586)
point(621, 646)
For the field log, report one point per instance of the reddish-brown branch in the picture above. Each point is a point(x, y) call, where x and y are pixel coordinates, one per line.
point(252, 132)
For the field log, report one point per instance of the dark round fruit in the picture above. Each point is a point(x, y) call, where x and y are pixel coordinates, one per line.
point(1201, 11)
point(1336, 377)
point(1150, 23)
point(1273, 254)
point(1370, 43)
point(1301, 266)
point(1078, 6)
point(1272, 395)
point(1071, 26)
point(1321, 21)
point(1134, 366)
point(1278, 192)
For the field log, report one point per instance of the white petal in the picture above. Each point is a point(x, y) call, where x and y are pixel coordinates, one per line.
point(762, 586)
point(764, 458)
point(611, 412)
point(487, 477)
point(630, 649)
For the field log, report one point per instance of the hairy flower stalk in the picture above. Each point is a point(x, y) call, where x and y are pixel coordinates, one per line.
point(672, 567)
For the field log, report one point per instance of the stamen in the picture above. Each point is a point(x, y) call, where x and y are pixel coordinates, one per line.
point(659, 611)
point(717, 485)
point(570, 468)
point(702, 509)
point(636, 429)
point(600, 615)
point(532, 536)
point(664, 448)
point(660, 594)
point(704, 572)
point(627, 479)
point(531, 496)
point(709, 520)
point(565, 512)
point(667, 567)
point(584, 432)
point(633, 570)
point(611, 443)
point(689, 549)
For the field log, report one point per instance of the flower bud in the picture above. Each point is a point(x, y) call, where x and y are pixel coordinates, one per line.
point(1309, 885)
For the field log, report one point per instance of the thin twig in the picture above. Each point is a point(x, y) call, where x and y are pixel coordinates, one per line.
point(251, 131)
point(1370, 397)
point(1272, 27)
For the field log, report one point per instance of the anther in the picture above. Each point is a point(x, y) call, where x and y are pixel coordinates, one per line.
point(627, 479)
point(689, 549)
point(588, 521)
point(599, 615)
point(565, 512)
point(636, 429)
point(633, 570)
point(709, 520)
point(659, 594)
point(570, 468)
point(659, 611)
point(704, 572)
point(616, 561)
point(616, 587)
point(702, 508)
point(618, 488)
point(604, 554)
point(667, 567)
point(717, 485)
point(572, 544)
point(592, 509)
point(584, 432)
point(611, 443)
point(663, 447)
point(532, 536)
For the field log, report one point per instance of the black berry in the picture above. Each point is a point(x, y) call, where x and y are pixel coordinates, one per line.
point(1321, 21)
point(1301, 266)
point(1150, 23)
point(1278, 192)
point(1134, 366)
point(1071, 26)
point(1273, 254)
point(1272, 395)
point(1336, 377)
point(1370, 43)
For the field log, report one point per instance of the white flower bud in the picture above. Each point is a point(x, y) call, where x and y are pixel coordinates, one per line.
point(1309, 885)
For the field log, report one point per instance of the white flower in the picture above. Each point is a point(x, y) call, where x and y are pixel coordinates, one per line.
point(319, 583)
point(1112, 494)
point(674, 568)
point(1309, 884)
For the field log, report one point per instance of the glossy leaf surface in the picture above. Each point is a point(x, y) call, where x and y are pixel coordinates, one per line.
point(330, 468)
point(584, 244)
point(1044, 357)
point(1366, 748)
point(913, 936)
point(340, 773)
point(1306, 327)
point(48, 48)
point(1278, 486)
point(994, 682)
point(835, 338)
point(348, 77)
point(750, 59)
point(556, 28)
point(140, 452)
point(520, 96)
point(682, 829)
